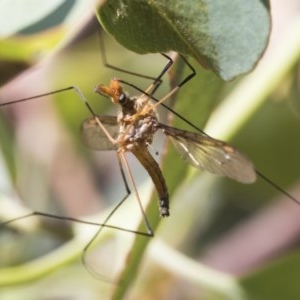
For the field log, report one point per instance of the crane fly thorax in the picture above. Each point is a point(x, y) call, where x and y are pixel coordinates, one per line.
point(137, 123)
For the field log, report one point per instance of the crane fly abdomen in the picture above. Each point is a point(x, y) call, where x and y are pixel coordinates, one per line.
point(152, 167)
point(135, 135)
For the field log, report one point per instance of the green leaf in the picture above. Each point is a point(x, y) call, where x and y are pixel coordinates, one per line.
point(227, 36)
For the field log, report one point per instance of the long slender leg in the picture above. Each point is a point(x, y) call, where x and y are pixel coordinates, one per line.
point(167, 107)
point(69, 88)
point(37, 96)
point(68, 219)
point(123, 157)
point(120, 157)
point(277, 187)
point(157, 80)
point(65, 218)
point(183, 82)
point(109, 66)
point(167, 67)
point(83, 99)
point(79, 94)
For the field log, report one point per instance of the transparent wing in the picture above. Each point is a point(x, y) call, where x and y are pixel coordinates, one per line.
point(94, 137)
point(206, 153)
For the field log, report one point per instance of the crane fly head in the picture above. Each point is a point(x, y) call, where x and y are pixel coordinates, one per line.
point(114, 91)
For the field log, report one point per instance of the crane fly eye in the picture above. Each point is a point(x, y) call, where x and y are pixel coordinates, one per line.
point(122, 98)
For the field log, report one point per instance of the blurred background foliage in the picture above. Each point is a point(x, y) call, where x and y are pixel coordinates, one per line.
point(223, 240)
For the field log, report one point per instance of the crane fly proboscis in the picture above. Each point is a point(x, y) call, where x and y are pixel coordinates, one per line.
point(133, 129)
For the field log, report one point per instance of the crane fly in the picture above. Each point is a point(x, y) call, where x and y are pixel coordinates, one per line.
point(133, 129)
